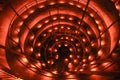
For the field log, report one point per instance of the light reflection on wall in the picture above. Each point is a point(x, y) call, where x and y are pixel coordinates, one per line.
point(46, 78)
point(98, 77)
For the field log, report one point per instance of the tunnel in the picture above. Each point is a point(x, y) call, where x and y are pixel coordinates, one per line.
point(59, 39)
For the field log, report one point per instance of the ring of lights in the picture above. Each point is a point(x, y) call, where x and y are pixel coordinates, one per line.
point(50, 37)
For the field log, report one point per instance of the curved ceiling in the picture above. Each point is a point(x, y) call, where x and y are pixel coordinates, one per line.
point(60, 39)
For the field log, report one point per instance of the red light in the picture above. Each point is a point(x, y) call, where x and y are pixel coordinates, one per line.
point(24, 16)
point(94, 69)
point(46, 21)
point(93, 62)
point(84, 60)
point(61, 1)
point(71, 3)
point(39, 25)
point(62, 27)
point(89, 32)
point(20, 23)
point(31, 49)
point(66, 60)
point(54, 18)
point(70, 18)
point(38, 55)
point(117, 7)
point(31, 37)
point(70, 66)
point(59, 45)
point(81, 70)
point(41, 6)
point(56, 28)
point(62, 17)
point(56, 56)
point(38, 44)
point(106, 64)
point(66, 44)
point(90, 57)
point(68, 28)
point(102, 43)
point(100, 52)
point(55, 50)
point(79, 6)
point(55, 72)
point(24, 59)
point(31, 11)
point(51, 3)
point(75, 61)
point(50, 30)
point(72, 39)
point(44, 35)
point(71, 49)
point(71, 56)
point(84, 40)
point(16, 39)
